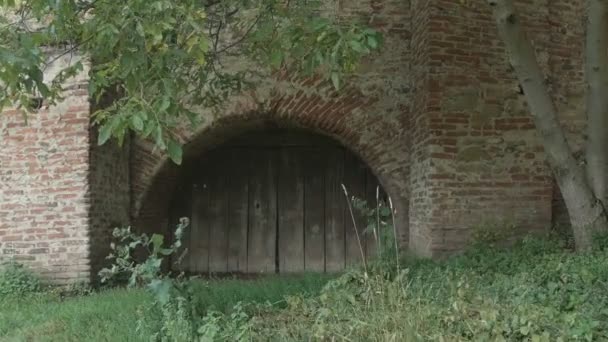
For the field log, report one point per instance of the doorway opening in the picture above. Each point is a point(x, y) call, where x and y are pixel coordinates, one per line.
point(272, 202)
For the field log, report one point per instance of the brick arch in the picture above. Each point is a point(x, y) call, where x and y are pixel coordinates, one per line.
point(353, 120)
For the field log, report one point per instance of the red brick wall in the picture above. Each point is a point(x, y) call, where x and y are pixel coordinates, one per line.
point(109, 197)
point(437, 115)
point(457, 148)
point(44, 198)
point(477, 158)
point(370, 117)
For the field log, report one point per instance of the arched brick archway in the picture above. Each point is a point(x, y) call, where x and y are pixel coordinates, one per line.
point(434, 115)
point(380, 140)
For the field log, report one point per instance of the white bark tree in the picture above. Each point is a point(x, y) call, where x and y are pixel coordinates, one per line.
point(584, 187)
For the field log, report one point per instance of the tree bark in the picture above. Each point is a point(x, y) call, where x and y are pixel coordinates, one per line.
point(597, 98)
point(587, 215)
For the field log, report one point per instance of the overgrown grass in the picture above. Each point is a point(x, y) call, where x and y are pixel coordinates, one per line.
point(534, 291)
point(112, 315)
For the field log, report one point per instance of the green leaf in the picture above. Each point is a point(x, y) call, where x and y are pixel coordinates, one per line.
point(164, 104)
point(140, 29)
point(161, 289)
point(372, 42)
point(357, 46)
point(157, 242)
point(166, 251)
point(276, 58)
point(105, 132)
point(335, 80)
point(175, 151)
point(137, 123)
point(158, 136)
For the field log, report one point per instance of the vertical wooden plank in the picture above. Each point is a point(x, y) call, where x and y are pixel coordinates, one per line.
point(291, 210)
point(354, 179)
point(218, 235)
point(199, 242)
point(314, 214)
point(262, 212)
point(237, 189)
point(334, 211)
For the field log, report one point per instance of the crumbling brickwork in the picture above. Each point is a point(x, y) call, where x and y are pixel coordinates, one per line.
point(437, 115)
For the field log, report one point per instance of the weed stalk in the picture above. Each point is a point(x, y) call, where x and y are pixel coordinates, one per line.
point(352, 216)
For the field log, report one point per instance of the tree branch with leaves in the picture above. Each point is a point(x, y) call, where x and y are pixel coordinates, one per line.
point(160, 61)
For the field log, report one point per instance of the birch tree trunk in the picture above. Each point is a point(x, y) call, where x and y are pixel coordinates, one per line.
point(597, 98)
point(587, 215)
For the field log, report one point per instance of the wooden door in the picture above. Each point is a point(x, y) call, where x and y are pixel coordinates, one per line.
point(274, 202)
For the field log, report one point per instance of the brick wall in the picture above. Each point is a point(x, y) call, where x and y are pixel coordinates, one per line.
point(437, 115)
point(44, 201)
point(110, 197)
point(60, 193)
point(370, 117)
point(477, 159)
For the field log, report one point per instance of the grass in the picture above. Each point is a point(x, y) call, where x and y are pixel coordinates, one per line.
point(534, 291)
point(222, 295)
point(105, 316)
point(112, 315)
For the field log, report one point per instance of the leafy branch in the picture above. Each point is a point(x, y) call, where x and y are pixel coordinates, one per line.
point(157, 62)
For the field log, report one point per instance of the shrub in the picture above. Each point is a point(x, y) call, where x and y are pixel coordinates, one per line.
point(17, 281)
point(173, 297)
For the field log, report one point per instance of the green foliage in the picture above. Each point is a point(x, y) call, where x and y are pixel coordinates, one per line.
point(534, 292)
point(149, 272)
point(492, 233)
point(123, 314)
point(379, 226)
point(108, 315)
point(71, 290)
point(158, 60)
point(17, 281)
point(269, 288)
point(173, 298)
point(600, 242)
point(218, 326)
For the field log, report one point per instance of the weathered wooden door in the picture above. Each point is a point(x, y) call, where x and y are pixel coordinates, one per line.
point(273, 202)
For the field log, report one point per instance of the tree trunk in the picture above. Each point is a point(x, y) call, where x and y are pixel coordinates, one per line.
point(587, 215)
point(597, 98)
